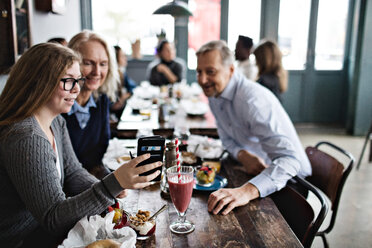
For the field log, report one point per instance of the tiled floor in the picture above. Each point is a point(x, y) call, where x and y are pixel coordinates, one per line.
point(353, 226)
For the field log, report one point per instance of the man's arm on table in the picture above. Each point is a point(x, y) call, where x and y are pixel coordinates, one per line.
point(231, 198)
point(283, 167)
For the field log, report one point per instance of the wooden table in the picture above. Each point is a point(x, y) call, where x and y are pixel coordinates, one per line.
point(258, 224)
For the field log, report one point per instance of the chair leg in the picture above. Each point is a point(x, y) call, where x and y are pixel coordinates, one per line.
point(325, 242)
point(363, 149)
point(370, 149)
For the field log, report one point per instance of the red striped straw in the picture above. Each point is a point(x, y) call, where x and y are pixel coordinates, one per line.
point(179, 170)
point(178, 160)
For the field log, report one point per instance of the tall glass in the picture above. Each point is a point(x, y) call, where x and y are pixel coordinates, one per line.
point(181, 190)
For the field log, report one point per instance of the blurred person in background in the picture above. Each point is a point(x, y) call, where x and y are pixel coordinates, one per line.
point(126, 85)
point(271, 73)
point(243, 50)
point(166, 68)
point(59, 40)
point(88, 121)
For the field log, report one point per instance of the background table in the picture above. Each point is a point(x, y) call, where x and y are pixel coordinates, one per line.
point(258, 224)
point(130, 123)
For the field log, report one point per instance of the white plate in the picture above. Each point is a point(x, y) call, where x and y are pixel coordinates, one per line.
point(117, 148)
point(138, 103)
point(194, 107)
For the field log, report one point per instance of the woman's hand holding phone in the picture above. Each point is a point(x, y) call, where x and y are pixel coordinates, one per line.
point(128, 174)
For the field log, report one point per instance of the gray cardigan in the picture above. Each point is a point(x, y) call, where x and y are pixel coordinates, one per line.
point(33, 195)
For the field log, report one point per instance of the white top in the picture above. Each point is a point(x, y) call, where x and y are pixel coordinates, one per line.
point(248, 68)
point(58, 165)
point(3, 79)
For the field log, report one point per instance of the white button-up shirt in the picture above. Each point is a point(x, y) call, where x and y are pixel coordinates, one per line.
point(250, 117)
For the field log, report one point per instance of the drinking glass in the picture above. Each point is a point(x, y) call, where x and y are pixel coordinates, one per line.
point(182, 131)
point(181, 190)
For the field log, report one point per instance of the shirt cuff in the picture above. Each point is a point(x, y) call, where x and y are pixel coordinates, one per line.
point(264, 184)
point(235, 152)
point(112, 184)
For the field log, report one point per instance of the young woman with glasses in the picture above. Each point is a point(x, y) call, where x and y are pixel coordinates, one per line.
point(88, 121)
point(43, 188)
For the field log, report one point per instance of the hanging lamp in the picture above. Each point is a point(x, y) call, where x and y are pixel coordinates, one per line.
point(175, 9)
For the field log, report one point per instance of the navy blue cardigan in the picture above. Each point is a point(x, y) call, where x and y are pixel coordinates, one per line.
point(90, 143)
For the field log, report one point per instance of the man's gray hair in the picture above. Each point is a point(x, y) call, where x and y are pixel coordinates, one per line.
point(220, 45)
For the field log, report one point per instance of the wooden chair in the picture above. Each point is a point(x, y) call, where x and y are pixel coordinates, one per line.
point(329, 175)
point(298, 212)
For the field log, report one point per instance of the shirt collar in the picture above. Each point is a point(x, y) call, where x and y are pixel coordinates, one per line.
point(230, 89)
point(77, 108)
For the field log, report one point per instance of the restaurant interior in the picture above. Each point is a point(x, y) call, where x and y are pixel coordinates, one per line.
point(326, 48)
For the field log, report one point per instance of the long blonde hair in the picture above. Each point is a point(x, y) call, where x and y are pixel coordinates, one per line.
point(109, 87)
point(33, 79)
point(269, 61)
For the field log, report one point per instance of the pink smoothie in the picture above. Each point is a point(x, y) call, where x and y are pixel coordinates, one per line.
point(181, 191)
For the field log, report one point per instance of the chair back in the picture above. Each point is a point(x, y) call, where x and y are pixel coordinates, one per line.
point(298, 212)
point(329, 174)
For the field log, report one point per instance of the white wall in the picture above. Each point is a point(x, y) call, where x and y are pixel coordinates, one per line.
point(46, 25)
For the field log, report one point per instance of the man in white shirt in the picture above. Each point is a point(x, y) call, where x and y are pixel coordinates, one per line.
point(246, 64)
point(253, 127)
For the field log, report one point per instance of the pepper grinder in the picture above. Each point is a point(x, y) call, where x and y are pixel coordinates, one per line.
point(170, 160)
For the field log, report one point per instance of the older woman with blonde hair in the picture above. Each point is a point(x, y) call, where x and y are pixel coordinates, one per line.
point(271, 73)
point(44, 189)
point(88, 121)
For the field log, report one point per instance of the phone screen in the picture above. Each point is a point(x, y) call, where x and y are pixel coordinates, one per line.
point(153, 145)
point(150, 148)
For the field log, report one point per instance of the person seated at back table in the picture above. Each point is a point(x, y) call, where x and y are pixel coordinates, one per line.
point(88, 121)
point(253, 127)
point(59, 40)
point(271, 73)
point(166, 69)
point(243, 54)
point(126, 85)
point(44, 189)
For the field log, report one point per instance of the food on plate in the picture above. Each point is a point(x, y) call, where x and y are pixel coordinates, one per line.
point(194, 107)
point(123, 159)
point(205, 175)
point(216, 165)
point(142, 225)
point(104, 243)
point(205, 147)
point(188, 158)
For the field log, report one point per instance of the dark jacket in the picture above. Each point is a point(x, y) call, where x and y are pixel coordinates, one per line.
point(90, 143)
point(271, 82)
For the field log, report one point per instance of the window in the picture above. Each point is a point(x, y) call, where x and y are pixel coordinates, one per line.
point(244, 19)
point(331, 32)
point(204, 26)
point(294, 17)
point(124, 21)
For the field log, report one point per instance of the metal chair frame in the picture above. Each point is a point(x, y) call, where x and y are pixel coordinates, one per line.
point(298, 212)
point(368, 137)
point(336, 201)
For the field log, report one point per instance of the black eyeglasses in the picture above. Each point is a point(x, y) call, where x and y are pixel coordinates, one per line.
point(69, 83)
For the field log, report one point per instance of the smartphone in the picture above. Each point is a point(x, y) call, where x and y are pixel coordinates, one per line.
point(154, 145)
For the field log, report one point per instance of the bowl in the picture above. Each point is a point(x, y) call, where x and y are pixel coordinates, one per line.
point(121, 218)
point(141, 224)
point(205, 176)
point(189, 158)
point(213, 163)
